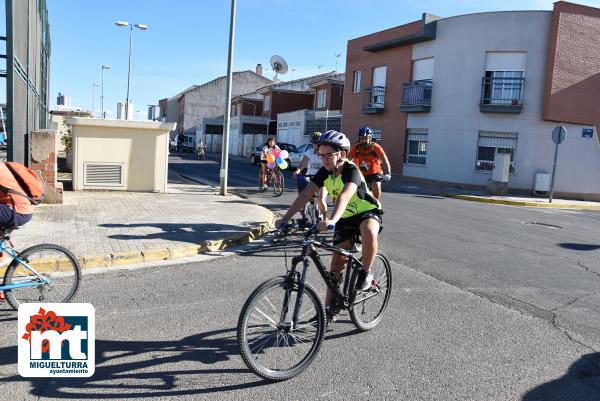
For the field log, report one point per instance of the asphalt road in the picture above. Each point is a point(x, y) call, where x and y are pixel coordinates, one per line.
point(541, 262)
point(489, 303)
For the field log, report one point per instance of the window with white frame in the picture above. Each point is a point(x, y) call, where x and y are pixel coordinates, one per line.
point(267, 103)
point(356, 83)
point(238, 109)
point(376, 135)
point(321, 98)
point(416, 149)
point(491, 142)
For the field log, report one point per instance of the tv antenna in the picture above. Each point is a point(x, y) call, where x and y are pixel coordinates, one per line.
point(337, 60)
point(279, 65)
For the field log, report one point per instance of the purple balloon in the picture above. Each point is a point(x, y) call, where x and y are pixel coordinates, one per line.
point(271, 165)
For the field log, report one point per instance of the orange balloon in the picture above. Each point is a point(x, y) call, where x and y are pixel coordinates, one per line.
point(270, 158)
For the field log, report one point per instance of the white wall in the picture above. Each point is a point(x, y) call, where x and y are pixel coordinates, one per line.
point(291, 127)
point(459, 53)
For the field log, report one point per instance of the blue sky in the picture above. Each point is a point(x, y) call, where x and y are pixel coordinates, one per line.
point(187, 40)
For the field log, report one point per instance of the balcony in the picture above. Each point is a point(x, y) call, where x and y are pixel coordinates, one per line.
point(374, 100)
point(416, 96)
point(501, 95)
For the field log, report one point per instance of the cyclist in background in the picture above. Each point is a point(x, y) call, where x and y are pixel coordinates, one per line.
point(368, 156)
point(262, 174)
point(308, 167)
point(355, 209)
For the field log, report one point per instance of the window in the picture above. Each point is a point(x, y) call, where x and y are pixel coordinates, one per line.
point(321, 98)
point(267, 103)
point(416, 150)
point(376, 134)
point(491, 142)
point(238, 109)
point(356, 83)
point(503, 87)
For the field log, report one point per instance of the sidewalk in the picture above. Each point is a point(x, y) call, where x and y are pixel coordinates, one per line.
point(125, 228)
point(406, 185)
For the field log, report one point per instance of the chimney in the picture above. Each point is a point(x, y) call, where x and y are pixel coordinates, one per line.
point(259, 69)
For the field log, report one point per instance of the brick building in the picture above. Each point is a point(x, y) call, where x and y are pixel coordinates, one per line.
point(446, 94)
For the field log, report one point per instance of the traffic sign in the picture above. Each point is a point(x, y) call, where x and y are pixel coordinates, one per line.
point(559, 134)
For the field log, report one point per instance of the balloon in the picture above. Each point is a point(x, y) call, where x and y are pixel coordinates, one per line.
point(278, 159)
point(284, 154)
point(275, 152)
point(270, 158)
point(283, 165)
point(271, 165)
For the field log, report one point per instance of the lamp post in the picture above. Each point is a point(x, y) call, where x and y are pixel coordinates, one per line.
point(141, 27)
point(225, 150)
point(94, 96)
point(104, 67)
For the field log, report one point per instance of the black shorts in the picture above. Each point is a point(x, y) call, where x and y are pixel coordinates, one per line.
point(373, 178)
point(264, 161)
point(348, 228)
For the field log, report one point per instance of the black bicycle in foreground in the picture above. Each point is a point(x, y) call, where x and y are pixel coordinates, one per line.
point(283, 322)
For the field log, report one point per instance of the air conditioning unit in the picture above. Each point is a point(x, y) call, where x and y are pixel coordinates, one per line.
point(542, 184)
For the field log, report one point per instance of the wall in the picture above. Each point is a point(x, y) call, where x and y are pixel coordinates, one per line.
point(572, 89)
point(141, 147)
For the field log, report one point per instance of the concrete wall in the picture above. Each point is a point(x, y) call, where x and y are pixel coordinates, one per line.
point(459, 53)
point(208, 100)
point(140, 147)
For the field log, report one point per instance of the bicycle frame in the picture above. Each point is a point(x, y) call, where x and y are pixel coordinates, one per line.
point(26, 283)
point(343, 299)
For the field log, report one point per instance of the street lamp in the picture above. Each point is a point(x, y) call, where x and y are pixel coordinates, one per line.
point(94, 96)
point(104, 67)
point(141, 27)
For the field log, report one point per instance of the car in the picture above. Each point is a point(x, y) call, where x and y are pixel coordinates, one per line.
point(255, 156)
point(296, 156)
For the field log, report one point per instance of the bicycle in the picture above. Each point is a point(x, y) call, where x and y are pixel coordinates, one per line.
point(311, 214)
point(41, 273)
point(276, 180)
point(279, 336)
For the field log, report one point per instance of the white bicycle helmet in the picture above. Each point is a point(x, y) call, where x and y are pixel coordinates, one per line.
point(336, 139)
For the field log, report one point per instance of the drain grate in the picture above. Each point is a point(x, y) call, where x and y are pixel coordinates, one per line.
point(537, 223)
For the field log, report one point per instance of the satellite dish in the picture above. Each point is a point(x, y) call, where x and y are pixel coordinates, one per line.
point(279, 65)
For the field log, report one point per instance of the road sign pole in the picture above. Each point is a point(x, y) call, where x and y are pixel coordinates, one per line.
point(553, 172)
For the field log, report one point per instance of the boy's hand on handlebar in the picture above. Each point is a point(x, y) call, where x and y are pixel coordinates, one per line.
point(326, 225)
point(279, 223)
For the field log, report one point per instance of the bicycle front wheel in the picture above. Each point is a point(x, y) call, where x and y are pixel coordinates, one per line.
point(53, 263)
point(271, 345)
point(278, 183)
point(369, 306)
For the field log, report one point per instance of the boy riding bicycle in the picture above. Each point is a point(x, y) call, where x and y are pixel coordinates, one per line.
point(310, 164)
point(355, 210)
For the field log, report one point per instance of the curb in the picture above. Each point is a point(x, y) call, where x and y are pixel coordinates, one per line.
point(175, 252)
point(474, 198)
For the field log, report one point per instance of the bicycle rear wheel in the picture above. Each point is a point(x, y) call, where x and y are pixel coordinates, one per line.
point(278, 183)
point(369, 306)
point(53, 262)
point(269, 345)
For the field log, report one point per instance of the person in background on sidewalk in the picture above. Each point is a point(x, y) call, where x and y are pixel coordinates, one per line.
point(355, 209)
point(180, 140)
point(201, 150)
point(15, 211)
point(262, 174)
point(368, 156)
point(308, 167)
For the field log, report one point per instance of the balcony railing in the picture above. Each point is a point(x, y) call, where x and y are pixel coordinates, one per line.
point(374, 100)
point(501, 95)
point(416, 96)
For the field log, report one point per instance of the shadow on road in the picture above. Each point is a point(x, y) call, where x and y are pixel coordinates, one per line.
point(580, 383)
point(578, 247)
point(141, 369)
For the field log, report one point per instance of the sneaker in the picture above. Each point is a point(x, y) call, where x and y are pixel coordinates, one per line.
point(364, 281)
point(264, 188)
